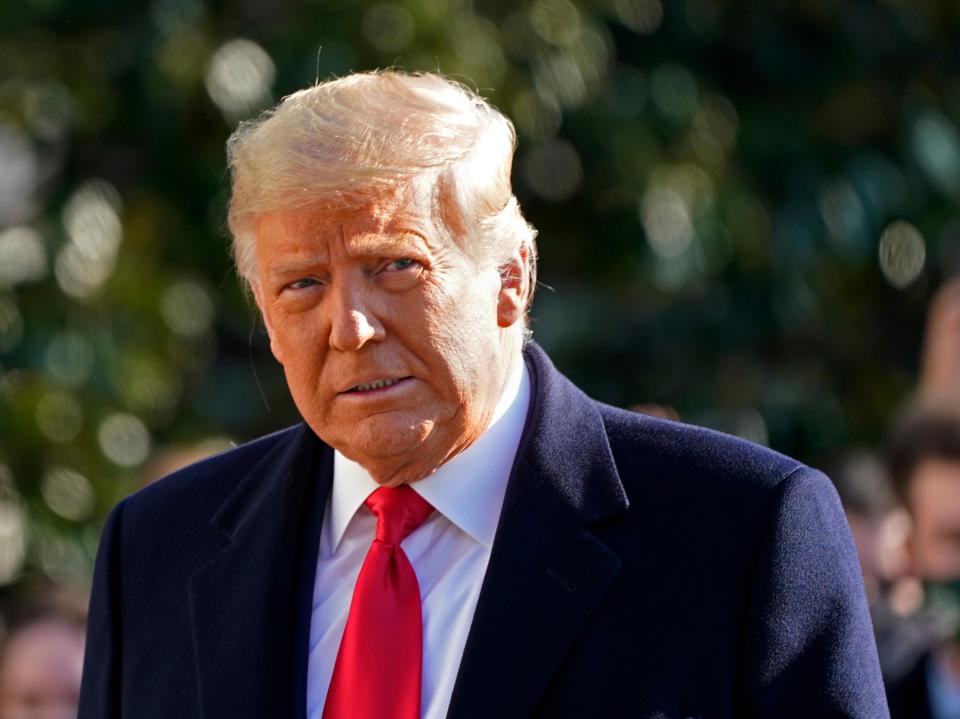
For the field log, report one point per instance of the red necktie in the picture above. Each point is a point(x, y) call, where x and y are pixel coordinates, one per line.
point(377, 672)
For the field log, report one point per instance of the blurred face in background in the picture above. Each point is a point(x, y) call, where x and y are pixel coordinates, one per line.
point(934, 498)
point(881, 546)
point(40, 671)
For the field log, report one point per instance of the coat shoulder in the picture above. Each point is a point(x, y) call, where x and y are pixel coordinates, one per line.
point(199, 489)
point(693, 458)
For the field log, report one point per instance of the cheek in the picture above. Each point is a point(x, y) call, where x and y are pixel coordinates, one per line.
point(461, 330)
point(304, 351)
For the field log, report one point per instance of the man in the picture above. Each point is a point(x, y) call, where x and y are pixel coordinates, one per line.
point(924, 455)
point(534, 553)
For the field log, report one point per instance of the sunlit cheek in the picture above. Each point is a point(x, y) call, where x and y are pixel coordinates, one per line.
point(302, 342)
point(296, 318)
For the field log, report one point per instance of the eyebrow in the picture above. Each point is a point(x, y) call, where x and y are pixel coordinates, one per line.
point(367, 245)
point(370, 245)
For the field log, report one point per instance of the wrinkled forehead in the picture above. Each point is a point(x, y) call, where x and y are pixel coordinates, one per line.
point(388, 219)
point(419, 204)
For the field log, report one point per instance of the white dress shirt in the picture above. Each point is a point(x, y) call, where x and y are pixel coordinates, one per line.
point(449, 552)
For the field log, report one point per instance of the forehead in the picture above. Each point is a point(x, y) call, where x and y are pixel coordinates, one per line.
point(388, 218)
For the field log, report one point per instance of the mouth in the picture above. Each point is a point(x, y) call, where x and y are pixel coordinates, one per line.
point(378, 385)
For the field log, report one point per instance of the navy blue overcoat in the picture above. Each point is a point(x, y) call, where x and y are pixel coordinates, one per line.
point(641, 568)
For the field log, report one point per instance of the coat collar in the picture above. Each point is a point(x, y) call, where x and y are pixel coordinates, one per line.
point(244, 601)
point(547, 571)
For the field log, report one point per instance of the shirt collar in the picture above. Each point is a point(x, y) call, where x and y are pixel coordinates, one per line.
point(468, 490)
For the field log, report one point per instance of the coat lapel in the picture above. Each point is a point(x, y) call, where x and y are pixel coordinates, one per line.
point(243, 602)
point(547, 570)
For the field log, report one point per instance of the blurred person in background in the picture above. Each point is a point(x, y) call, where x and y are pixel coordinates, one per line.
point(456, 530)
point(924, 459)
point(940, 371)
point(879, 523)
point(881, 528)
point(41, 654)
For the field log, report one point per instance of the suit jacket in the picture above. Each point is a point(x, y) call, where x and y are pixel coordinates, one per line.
point(641, 568)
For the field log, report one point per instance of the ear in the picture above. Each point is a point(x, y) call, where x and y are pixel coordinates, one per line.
point(512, 299)
point(267, 321)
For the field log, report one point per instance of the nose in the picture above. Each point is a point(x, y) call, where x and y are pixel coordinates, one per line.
point(353, 321)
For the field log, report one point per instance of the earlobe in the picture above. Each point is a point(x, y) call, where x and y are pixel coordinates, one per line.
point(262, 306)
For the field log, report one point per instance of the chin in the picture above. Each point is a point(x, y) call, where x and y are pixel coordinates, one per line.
point(383, 438)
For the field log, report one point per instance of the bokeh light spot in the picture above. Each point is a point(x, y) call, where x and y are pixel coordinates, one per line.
point(19, 177)
point(23, 257)
point(556, 21)
point(152, 387)
point(91, 219)
point(80, 275)
point(641, 16)
point(689, 182)
point(69, 358)
point(187, 308)
point(841, 209)
point(239, 77)
point(667, 222)
point(536, 116)
point(902, 253)
point(124, 439)
point(559, 77)
point(573, 74)
point(936, 146)
point(59, 417)
point(388, 27)
point(68, 493)
point(13, 528)
point(478, 50)
point(714, 132)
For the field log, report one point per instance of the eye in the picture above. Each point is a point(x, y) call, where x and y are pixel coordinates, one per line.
point(402, 264)
point(302, 284)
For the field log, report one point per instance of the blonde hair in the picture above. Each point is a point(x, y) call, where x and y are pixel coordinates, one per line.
point(346, 142)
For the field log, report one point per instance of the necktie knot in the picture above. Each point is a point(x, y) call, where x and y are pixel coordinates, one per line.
point(399, 511)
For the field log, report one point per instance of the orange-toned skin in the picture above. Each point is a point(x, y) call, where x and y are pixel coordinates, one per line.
point(383, 292)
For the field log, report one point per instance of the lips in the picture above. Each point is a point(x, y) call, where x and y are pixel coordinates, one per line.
point(374, 385)
point(378, 384)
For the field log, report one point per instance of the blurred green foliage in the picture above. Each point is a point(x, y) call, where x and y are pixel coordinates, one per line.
point(743, 209)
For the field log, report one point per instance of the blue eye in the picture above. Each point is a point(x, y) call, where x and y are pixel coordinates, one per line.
point(401, 264)
point(302, 284)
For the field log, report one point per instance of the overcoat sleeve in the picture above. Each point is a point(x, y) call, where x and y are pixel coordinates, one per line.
point(811, 650)
point(100, 688)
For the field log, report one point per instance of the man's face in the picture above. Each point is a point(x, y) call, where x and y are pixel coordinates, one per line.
point(393, 341)
point(935, 502)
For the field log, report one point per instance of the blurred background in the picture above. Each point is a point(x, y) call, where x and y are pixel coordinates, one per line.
point(744, 208)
